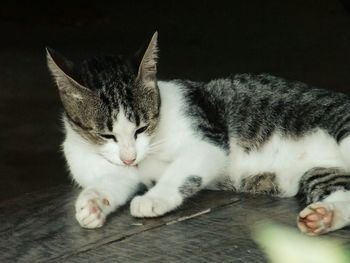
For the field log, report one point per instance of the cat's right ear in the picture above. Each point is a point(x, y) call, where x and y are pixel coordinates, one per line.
point(62, 71)
point(75, 97)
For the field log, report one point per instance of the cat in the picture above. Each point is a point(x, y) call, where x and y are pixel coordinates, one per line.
point(248, 133)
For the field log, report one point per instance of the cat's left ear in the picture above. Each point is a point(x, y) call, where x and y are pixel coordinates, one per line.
point(148, 67)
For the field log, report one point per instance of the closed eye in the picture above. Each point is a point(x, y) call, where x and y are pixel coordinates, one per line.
point(140, 130)
point(108, 136)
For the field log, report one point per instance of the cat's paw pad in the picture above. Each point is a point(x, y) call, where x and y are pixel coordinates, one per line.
point(89, 210)
point(316, 219)
point(143, 206)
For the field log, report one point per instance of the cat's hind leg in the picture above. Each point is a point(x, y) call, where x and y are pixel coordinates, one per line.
point(327, 193)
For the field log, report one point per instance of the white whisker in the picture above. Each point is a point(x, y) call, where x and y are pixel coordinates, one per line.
point(157, 143)
point(155, 147)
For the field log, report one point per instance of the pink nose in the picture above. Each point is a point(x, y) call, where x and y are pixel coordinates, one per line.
point(128, 162)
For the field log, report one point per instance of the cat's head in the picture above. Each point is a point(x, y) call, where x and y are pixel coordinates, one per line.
point(111, 102)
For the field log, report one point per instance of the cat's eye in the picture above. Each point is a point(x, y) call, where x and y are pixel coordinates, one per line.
point(140, 130)
point(108, 136)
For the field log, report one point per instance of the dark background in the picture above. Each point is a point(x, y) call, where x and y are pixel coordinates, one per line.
point(296, 39)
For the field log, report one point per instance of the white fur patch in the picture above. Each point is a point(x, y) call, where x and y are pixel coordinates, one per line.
point(289, 158)
point(173, 133)
point(92, 171)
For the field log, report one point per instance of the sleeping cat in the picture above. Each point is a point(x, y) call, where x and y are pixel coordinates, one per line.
point(248, 133)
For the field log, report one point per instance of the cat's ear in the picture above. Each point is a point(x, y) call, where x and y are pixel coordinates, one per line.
point(147, 70)
point(63, 72)
point(74, 96)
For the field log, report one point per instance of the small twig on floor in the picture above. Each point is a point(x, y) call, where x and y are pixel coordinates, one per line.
point(183, 218)
point(137, 224)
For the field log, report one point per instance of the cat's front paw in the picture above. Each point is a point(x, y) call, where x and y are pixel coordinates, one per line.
point(147, 206)
point(316, 219)
point(90, 208)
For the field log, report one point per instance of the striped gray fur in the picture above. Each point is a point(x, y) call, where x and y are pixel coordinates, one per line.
point(225, 183)
point(264, 183)
point(253, 107)
point(318, 183)
point(191, 186)
point(94, 91)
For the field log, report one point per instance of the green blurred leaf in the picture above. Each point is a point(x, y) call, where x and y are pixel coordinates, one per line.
point(284, 245)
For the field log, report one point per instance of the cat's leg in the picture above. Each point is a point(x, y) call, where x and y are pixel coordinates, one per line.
point(193, 170)
point(104, 196)
point(327, 191)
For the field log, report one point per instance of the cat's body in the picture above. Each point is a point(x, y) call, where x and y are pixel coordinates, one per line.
point(258, 134)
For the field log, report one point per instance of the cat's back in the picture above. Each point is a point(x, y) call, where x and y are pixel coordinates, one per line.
point(268, 103)
point(253, 107)
point(256, 88)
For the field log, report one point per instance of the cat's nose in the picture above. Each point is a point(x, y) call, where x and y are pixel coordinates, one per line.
point(128, 162)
